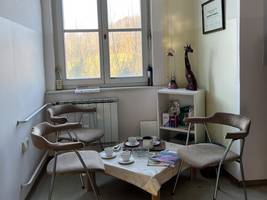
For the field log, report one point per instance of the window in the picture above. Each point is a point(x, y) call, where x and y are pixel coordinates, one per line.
point(102, 42)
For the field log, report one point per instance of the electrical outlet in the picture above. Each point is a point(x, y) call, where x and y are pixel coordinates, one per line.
point(25, 145)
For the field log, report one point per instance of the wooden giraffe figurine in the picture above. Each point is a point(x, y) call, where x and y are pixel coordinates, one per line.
point(190, 77)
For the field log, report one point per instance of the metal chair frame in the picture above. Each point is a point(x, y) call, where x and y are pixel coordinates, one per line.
point(56, 118)
point(57, 148)
point(87, 171)
point(218, 171)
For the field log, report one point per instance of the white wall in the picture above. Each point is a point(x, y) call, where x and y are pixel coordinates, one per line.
point(49, 51)
point(218, 62)
point(157, 24)
point(21, 89)
point(179, 30)
point(254, 85)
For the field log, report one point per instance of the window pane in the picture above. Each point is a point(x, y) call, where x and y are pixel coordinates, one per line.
point(82, 55)
point(124, 14)
point(125, 49)
point(80, 14)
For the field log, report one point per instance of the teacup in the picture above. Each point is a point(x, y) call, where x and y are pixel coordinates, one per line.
point(147, 143)
point(125, 156)
point(108, 151)
point(155, 140)
point(132, 140)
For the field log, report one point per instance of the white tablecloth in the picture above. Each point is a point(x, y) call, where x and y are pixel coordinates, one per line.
point(148, 178)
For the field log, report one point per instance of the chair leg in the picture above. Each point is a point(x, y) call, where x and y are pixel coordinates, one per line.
point(90, 178)
point(177, 177)
point(217, 181)
point(219, 169)
point(52, 183)
point(82, 182)
point(220, 181)
point(94, 182)
point(243, 179)
point(100, 144)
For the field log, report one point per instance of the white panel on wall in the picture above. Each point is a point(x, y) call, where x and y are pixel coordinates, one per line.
point(148, 128)
point(30, 82)
point(22, 92)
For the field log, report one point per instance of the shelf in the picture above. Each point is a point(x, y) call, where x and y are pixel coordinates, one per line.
point(184, 97)
point(102, 89)
point(172, 140)
point(180, 91)
point(178, 129)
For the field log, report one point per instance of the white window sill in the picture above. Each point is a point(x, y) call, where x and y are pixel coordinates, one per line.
point(72, 91)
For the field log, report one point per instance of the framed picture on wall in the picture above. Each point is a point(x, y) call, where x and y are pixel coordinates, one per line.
point(213, 16)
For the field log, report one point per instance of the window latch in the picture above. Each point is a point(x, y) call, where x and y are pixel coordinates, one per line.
point(105, 36)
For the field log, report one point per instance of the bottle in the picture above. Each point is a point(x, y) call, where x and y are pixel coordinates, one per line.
point(59, 81)
point(149, 76)
point(172, 84)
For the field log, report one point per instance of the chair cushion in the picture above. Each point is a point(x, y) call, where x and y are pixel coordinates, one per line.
point(86, 135)
point(203, 155)
point(70, 163)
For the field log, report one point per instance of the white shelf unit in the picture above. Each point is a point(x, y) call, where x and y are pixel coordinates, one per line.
point(185, 98)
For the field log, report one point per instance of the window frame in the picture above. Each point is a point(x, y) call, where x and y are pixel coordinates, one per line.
point(103, 30)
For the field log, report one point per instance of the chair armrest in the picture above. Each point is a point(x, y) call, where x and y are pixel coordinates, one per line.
point(66, 126)
point(236, 135)
point(58, 120)
point(88, 110)
point(195, 120)
point(64, 146)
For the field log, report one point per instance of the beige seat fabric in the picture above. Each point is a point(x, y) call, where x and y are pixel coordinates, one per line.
point(70, 163)
point(203, 155)
point(84, 134)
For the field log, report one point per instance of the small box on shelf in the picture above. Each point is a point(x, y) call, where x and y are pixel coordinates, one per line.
point(176, 119)
point(165, 119)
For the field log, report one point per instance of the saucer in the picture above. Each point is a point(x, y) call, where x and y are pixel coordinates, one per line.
point(156, 143)
point(132, 145)
point(104, 156)
point(128, 162)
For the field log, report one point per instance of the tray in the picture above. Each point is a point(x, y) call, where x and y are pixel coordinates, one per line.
point(160, 147)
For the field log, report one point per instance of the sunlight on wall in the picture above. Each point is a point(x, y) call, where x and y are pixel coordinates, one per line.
point(179, 30)
point(218, 65)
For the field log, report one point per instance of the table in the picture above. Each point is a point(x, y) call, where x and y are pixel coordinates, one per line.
point(148, 178)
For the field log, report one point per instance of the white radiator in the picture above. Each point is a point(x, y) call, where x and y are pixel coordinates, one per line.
point(106, 117)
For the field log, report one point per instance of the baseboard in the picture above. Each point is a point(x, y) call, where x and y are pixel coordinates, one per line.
point(248, 182)
point(26, 187)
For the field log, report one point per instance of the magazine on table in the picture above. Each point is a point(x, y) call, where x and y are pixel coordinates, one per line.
point(164, 158)
point(152, 162)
